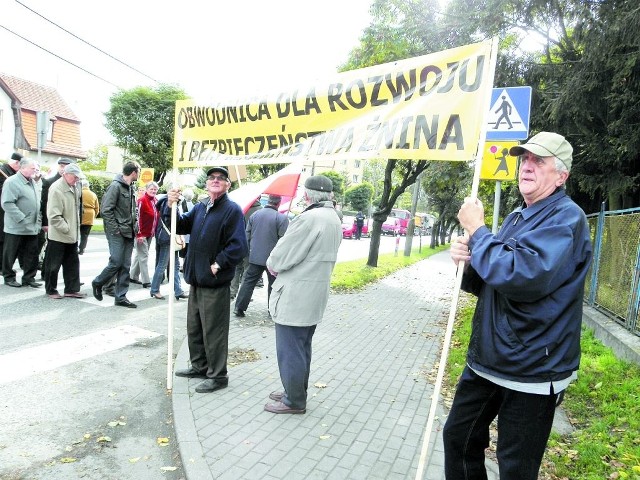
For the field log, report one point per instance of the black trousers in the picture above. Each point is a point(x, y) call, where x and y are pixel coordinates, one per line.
point(208, 330)
point(63, 255)
point(25, 246)
point(85, 230)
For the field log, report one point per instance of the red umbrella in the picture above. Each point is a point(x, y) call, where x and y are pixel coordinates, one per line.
point(283, 183)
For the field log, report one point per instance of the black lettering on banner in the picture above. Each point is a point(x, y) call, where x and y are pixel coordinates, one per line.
point(387, 132)
point(453, 125)
point(360, 89)
point(424, 77)
point(347, 141)
point(375, 93)
point(181, 156)
point(327, 141)
point(194, 149)
point(464, 84)
point(333, 97)
point(402, 141)
point(451, 70)
point(402, 90)
point(430, 134)
point(370, 134)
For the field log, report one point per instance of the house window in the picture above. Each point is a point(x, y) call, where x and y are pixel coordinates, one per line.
point(356, 163)
point(355, 178)
point(50, 131)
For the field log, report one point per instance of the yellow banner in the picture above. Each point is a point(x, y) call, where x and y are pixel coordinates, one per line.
point(429, 107)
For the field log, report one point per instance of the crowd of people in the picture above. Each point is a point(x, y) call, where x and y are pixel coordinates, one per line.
point(529, 278)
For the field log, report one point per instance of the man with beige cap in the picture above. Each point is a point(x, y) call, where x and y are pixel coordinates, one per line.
point(525, 341)
point(63, 212)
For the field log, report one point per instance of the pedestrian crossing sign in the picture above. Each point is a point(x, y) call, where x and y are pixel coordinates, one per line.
point(508, 118)
point(497, 164)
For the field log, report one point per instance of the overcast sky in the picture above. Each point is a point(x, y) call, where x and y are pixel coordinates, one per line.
point(214, 50)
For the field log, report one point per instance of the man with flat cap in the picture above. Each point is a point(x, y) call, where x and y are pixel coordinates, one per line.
point(217, 243)
point(525, 341)
point(302, 263)
point(7, 170)
point(264, 228)
point(46, 185)
point(63, 210)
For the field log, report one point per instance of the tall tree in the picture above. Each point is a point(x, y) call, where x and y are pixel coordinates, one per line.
point(141, 121)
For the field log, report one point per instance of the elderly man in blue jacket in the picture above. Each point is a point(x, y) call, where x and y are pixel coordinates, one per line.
point(525, 340)
point(217, 243)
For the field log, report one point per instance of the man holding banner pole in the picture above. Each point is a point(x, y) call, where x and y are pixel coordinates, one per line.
point(525, 342)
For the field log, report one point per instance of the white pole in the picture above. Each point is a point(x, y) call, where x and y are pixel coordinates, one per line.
point(172, 267)
point(456, 291)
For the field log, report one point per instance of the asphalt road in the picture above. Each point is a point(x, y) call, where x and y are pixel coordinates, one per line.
point(83, 383)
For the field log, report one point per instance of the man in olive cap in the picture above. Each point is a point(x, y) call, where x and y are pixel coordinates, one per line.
point(525, 340)
point(302, 262)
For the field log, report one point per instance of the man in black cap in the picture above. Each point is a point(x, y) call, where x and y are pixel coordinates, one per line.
point(7, 170)
point(302, 262)
point(264, 228)
point(217, 243)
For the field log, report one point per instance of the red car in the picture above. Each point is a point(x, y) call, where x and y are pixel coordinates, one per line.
point(349, 227)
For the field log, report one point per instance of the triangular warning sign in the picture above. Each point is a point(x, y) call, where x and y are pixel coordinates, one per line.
point(504, 116)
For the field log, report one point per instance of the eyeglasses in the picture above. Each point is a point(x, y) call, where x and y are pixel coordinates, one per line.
point(220, 178)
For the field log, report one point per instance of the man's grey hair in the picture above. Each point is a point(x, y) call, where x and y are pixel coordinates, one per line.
point(316, 196)
point(85, 183)
point(560, 166)
point(25, 162)
point(151, 184)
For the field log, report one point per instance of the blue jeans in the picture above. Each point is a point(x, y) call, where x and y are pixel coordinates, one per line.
point(161, 266)
point(524, 424)
point(120, 249)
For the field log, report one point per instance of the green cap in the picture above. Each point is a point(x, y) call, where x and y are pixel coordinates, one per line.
point(547, 144)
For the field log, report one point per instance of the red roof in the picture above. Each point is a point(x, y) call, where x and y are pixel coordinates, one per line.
point(36, 97)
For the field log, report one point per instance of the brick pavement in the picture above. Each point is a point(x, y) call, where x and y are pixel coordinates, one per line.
point(374, 362)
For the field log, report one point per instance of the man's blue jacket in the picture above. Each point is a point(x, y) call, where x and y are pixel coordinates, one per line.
point(529, 279)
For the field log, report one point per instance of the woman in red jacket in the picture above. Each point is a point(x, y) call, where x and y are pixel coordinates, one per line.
point(147, 221)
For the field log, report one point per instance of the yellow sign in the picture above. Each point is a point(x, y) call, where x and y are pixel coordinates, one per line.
point(497, 164)
point(146, 175)
point(421, 108)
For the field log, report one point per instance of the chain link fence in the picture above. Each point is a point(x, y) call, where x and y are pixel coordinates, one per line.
point(614, 280)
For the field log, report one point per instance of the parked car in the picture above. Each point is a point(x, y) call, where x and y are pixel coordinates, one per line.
point(391, 226)
point(349, 227)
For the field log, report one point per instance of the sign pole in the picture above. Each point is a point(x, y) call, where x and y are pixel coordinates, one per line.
point(456, 291)
point(496, 206)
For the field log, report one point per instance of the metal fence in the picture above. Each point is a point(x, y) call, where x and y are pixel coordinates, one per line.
point(613, 285)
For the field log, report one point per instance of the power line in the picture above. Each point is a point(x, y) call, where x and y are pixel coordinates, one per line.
point(87, 43)
point(58, 56)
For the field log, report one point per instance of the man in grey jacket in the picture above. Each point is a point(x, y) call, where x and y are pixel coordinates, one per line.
point(22, 222)
point(63, 213)
point(302, 262)
point(119, 216)
point(264, 228)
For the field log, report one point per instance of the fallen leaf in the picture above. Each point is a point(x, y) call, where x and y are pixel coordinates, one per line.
point(168, 469)
point(134, 460)
point(103, 439)
point(325, 437)
point(320, 385)
point(68, 460)
point(163, 441)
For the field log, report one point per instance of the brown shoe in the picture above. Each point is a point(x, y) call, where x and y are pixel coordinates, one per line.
point(276, 396)
point(280, 407)
point(75, 295)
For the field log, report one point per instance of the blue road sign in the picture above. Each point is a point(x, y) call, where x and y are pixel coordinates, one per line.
point(509, 115)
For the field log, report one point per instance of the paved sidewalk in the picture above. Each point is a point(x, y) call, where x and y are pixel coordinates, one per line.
point(374, 364)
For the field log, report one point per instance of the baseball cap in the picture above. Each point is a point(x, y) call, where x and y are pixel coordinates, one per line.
point(547, 144)
point(65, 161)
point(221, 170)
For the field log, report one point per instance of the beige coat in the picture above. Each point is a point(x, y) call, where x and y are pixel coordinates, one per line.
point(63, 212)
point(304, 259)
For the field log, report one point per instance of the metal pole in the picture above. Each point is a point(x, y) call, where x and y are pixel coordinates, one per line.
point(408, 241)
point(496, 206)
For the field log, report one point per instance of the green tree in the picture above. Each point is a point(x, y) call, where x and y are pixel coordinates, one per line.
point(359, 196)
point(141, 121)
point(96, 159)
